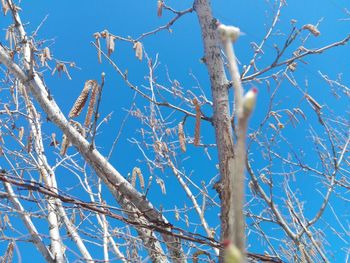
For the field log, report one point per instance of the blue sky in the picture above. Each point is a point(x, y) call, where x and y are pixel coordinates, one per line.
point(69, 29)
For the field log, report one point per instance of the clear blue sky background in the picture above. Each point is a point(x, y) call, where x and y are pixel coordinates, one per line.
point(71, 24)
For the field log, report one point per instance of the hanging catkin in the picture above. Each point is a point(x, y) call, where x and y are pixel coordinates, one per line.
point(197, 128)
point(81, 100)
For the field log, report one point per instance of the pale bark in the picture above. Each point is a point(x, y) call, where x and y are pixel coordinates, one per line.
point(140, 210)
point(231, 156)
point(102, 221)
point(130, 199)
point(56, 242)
point(221, 118)
point(36, 238)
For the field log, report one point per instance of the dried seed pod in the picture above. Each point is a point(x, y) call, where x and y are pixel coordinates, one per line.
point(292, 66)
point(64, 146)
point(104, 33)
point(54, 141)
point(5, 7)
point(168, 131)
point(138, 50)
point(111, 45)
point(299, 111)
point(313, 29)
point(47, 53)
point(161, 184)
point(59, 68)
point(107, 37)
point(29, 142)
point(42, 60)
point(20, 133)
point(97, 37)
point(181, 135)
point(6, 220)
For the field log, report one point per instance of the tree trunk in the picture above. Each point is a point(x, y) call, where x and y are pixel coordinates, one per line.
point(221, 118)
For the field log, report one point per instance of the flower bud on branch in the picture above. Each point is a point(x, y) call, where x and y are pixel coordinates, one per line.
point(249, 101)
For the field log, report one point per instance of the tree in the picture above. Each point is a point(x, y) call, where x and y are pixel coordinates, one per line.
point(63, 193)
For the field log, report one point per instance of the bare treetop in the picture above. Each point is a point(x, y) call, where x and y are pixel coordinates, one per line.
point(109, 152)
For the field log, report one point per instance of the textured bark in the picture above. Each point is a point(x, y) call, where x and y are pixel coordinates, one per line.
point(221, 118)
point(52, 218)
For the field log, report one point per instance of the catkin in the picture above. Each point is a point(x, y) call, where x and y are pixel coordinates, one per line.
point(97, 37)
point(90, 111)
point(111, 44)
point(197, 128)
point(138, 50)
point(81, 100)
point(20, 133)
point(312, 29)
point(136, 172)
point(159, 8)
point(181, 135)
point(64, 146)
